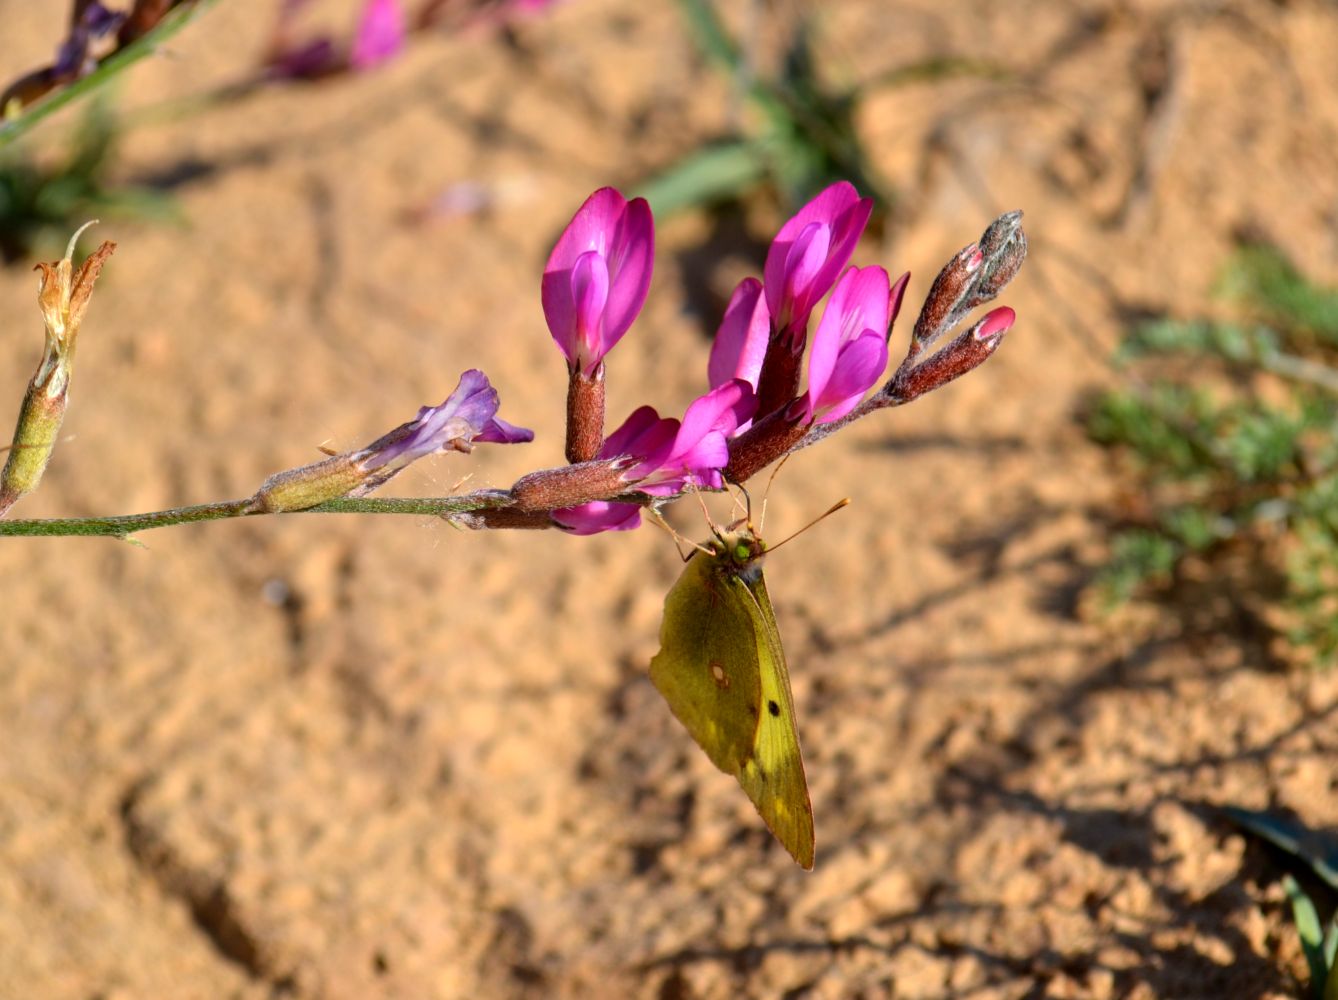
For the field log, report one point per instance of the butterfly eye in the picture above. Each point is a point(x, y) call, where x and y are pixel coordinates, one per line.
point(743, 552)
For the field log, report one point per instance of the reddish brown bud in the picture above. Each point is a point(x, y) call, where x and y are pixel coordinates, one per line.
point(967, 351)
point(975, 276)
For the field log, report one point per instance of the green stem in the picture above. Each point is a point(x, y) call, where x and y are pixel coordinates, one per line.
point(122, 526)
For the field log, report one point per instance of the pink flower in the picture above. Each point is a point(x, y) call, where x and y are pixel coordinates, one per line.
point(666, 456)
point(809, 252)
point(598, 275)
point(380, 35)
point(849, 349)
point(741, 342)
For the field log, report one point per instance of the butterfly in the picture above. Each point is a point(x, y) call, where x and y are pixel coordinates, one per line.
point(722, 670)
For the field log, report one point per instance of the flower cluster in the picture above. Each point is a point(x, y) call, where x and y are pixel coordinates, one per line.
point(596, 282)
point(752, 413)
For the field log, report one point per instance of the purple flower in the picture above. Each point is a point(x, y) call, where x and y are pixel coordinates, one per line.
point(741, 342)
point(467, 415)
point(380, 35)
point(665, 456)
point(849, 349)
point(72, 59)
point(809, 252)
point(598, 275)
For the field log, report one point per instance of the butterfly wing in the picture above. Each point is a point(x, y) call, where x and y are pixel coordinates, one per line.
point(722, 671)
point(774, 776)
point(707, 667)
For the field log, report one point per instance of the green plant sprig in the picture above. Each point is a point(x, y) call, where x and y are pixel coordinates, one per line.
point(1234, 441)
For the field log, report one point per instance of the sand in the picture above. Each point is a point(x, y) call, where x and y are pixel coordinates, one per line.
point(335, 757)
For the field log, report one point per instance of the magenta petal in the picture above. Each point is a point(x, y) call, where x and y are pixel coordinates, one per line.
point(380, 35)
point(645, 438)
point(620, 441)
point(631, 261)
point(804, 263)
point(589, 293)
point(844, 214)
point(894, 300)
point(858, 366)
point(592, 228)
point(741, 342)
point(859, 302)
point(721, 410)
point(622, 235)
point(705, 456)
point(598, 515)
point(846, 231)
point(653, 448)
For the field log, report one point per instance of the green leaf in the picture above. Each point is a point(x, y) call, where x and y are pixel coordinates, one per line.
point(710, 33)
point(711, 174)
point(1312, 938)
point(1330, 949)
point(1264, 278)
point(1320, 853)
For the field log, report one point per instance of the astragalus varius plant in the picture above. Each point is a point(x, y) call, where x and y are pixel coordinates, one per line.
point(769, 390)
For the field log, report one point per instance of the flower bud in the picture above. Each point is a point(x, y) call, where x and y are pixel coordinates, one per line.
point(967, 351)
point(975, 276)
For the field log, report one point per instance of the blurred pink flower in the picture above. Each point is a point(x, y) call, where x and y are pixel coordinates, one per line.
point(380, 35)
point(598, 275)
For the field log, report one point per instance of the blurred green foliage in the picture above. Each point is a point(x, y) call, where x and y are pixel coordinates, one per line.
point(42, 203)
point(800, 135)
point(1230, 428)
point(1320, 855)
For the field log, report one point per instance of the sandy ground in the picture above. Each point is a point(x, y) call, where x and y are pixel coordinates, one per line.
point(329, 757)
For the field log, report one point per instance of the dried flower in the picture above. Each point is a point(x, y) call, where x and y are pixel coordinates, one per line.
point(63, 297)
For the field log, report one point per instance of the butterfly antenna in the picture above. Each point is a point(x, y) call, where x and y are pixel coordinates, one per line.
point(745, 508)
point(843, 502)
point(679, 540)
point(766, 495)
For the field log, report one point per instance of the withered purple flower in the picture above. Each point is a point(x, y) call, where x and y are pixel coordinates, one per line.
point(467, 416)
